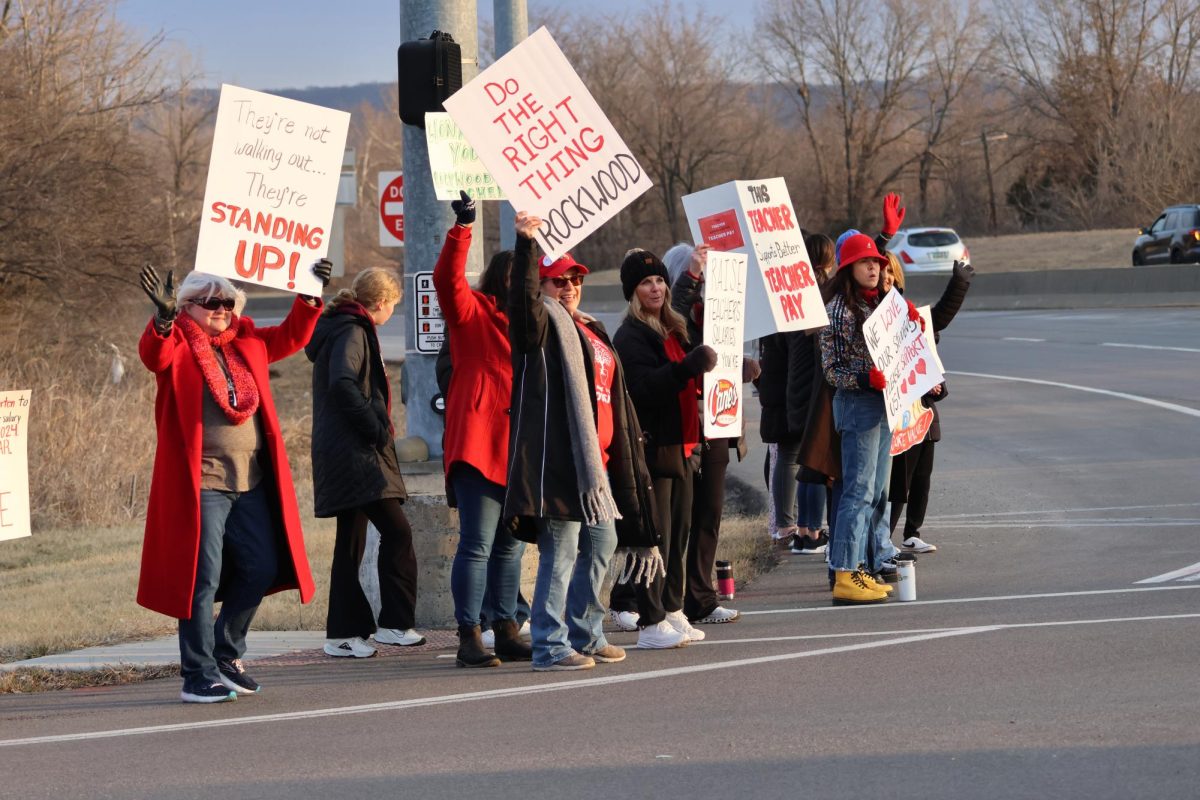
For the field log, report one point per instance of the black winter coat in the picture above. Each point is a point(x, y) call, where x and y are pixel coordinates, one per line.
point(541, 466)
point(788, 361)
point(353, 451)
point(655, 382)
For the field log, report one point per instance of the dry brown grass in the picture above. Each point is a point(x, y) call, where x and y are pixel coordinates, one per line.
point(1023, 252)
point(31, 679)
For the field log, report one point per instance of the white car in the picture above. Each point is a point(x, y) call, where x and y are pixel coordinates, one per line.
point(928, 249)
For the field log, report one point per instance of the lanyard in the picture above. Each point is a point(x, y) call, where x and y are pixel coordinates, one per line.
point(228, 377)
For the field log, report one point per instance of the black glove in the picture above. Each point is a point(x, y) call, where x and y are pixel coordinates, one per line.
point(162, 295)
point(323, 269)
point(702, 359)
point(464, 209)
point(963, 271)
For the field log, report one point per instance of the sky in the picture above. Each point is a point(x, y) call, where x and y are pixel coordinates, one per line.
point(272, 44)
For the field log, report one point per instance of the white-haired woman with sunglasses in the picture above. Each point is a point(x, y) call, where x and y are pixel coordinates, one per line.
point(222, 522)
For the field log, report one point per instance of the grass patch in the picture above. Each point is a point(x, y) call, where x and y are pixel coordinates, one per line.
point(29, 679)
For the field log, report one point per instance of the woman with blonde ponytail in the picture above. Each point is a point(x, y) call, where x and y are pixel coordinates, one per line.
point(356, 473)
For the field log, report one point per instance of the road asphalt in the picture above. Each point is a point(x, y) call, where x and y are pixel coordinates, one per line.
point(1052, 650)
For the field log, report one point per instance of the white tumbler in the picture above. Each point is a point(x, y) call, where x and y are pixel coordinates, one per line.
point(906, 581)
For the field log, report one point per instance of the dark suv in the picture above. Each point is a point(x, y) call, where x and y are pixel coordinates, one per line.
point(1174, 238)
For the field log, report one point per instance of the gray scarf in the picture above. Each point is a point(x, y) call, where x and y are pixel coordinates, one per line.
point(595, 495)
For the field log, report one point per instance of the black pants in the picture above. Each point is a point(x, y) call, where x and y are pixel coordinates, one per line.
point(708, 500)
point(349, 610)
point(918, 467)
point(673, 519)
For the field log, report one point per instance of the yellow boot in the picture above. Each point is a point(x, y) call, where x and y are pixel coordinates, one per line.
point(850, 589)
point(869, 580)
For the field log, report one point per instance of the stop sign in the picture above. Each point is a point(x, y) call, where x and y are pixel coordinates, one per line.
point(391, 209)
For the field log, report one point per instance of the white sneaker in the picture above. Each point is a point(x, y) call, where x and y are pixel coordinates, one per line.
point(680, 623)
point(720, 614)
point(405, 638)
point(624, 620)
point(661, 637)
point(354, 647)
point(916, 544)
point(489, 636)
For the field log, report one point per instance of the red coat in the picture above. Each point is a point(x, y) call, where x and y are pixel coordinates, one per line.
point(480, 392)
point(172, 540)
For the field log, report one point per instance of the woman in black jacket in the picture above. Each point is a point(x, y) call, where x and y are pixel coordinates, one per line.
point(356, 473)
point(577, 480)
point(664, 370)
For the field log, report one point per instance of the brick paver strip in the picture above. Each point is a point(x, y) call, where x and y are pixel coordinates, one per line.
point(434, 640)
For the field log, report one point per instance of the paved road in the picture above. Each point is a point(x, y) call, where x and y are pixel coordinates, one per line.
point(1036, 663)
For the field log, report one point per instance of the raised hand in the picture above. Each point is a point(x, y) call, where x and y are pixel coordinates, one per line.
point(893, 214)
point(323, 269)
point(527, 224)
point(161, 294)
point(464, 209)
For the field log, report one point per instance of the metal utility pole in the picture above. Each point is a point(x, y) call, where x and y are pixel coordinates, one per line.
point(512, 28)
point(426, 219)
point(984, 138)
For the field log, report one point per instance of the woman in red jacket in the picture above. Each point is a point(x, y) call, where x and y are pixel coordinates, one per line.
point(222, 518)
point(476, 445)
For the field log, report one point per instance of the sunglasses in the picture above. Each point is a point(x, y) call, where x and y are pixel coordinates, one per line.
point(213, 303)
point(574, 280)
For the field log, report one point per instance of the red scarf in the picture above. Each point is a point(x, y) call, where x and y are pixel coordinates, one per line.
point(689, 414)
point(244, 387)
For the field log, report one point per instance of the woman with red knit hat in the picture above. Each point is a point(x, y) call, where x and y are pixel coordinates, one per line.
point(859, 417)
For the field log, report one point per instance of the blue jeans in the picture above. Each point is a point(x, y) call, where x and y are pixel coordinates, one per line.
point(812, 498)
point(572, 562)
point(237, 543)
point(879, 543)
point(860, 418)
point(488, 559)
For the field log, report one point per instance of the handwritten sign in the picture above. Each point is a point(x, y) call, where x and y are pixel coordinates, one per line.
point(272, 184)
point(724, 312)
point(539, 131)
point(904, 355)
point(757, 218)
point(454, 164)
point(14, 464)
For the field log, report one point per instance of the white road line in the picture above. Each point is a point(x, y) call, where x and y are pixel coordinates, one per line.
point(1151, 347)
point(1021, 339)
point(1191, 412)
point(491, 694)
point(952, 600)
point(1165, 523)
point(1194, 569)
point(1089, 509)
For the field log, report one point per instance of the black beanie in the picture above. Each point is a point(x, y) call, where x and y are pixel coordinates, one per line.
point(639, 265)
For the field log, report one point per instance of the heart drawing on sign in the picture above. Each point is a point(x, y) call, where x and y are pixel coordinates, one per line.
point(921, 366)
point(903, 387)
point(912, 378)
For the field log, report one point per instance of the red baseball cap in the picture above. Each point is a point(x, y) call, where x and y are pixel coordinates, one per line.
point(858, 247)
point(556, 268)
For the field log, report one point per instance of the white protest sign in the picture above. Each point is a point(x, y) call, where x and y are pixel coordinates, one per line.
point(757, 218)
point(552, 150)
point(454, 164)
point(902, 352)
point(272, 184)
point(927, 315)
point(724, 309)
point(14, 464)
point(917, 418)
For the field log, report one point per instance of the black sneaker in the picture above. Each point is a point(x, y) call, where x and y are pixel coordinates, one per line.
point(801, 544)
point(234, 676)
point(213, 693)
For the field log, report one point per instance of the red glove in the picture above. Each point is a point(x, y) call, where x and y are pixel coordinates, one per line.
point(893, 214)
point(877, 380)
point(913, 314)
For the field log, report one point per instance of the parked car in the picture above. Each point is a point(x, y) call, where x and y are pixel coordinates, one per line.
point(928, 249)
point(1174, 238)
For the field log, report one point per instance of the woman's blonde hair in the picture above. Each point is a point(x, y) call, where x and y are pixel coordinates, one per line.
point(371, 286)
point(666, 322)
point(897, 269)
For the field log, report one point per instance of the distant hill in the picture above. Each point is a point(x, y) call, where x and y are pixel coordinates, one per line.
point(343, 98)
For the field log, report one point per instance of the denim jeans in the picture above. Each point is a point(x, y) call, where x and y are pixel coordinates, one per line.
point(488, 560)
point(567, 614)
point(783, 484)
point(812, 497)
point(879, 543)
point(860, 418)
point(238, 553)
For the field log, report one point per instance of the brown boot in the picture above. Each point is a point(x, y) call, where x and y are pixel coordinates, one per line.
point(470, 649)
point(509, 644)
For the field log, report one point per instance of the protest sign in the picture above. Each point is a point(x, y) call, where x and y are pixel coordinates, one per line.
point(272, 184)
point(454, 164)
point(14, 464)
point(538, 130)
point(756, 218)
point(724, 309)
point(903, 353)
point(917, 418)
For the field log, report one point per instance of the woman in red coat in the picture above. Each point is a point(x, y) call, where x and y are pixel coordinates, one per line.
point(222, 523)
point(476, 445)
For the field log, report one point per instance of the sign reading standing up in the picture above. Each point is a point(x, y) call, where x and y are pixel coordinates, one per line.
point(551, 149)
point(724, 309)
point(902, 352)
point(272, 184)
point(391, 209)
point(14, 464)
point(757, 218)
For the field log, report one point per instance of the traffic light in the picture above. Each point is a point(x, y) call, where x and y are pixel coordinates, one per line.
point(430, 70)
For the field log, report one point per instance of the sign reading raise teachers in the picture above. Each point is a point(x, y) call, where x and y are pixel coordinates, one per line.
point(551, 149)
point(724, 308)
point(272, 184)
